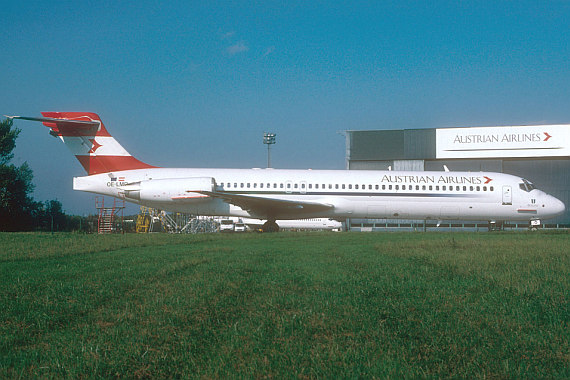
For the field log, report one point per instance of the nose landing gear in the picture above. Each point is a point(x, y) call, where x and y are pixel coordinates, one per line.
point(534, 225)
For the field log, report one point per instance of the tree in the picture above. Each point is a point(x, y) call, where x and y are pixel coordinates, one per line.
point(16, 205)
point(57, 218)
point(7, 141)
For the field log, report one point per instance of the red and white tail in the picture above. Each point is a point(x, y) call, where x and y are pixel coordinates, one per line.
point(88, 139)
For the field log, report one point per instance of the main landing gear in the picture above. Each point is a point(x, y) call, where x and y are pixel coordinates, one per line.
point(270, 226)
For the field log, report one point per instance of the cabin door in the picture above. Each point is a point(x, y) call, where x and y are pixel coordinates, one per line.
point(507, 195)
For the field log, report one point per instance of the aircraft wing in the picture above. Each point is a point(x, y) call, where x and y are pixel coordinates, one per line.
point(269, 208)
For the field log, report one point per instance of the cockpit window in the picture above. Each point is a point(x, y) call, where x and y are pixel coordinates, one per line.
point(526, 185)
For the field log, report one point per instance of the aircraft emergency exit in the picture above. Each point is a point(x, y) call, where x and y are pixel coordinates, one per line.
point(273, 194)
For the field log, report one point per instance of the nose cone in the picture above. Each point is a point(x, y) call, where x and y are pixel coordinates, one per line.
point(554, 207)
point(559, 207)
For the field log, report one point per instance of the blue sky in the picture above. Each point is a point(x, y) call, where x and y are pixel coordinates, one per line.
point(195, 84)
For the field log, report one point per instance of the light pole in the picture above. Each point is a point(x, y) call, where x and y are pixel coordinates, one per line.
point(269, 139)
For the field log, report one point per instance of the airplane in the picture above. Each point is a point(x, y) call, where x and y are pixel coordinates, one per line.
point(273, 194)
point(300, 224)
point(294, 224)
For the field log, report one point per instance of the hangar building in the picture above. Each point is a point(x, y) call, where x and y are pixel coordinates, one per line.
point(539, 153)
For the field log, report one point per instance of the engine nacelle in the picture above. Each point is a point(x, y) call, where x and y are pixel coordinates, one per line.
point(169, 189)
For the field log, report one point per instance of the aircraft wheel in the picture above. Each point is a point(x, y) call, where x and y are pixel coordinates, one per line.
point(270, 226)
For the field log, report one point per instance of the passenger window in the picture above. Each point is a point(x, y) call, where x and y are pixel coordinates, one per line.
point(241, 185)
point(389, 187)
point(484, 188)
point(383, 187)
point(288, 185)
point(281, 185)
point(377, 187)
point(397, 187)
point(423, 187)
point(296, 186)
point(491, 188)
point(457, 188)
point(443, 188)
point(470, 188)
point(343, 186)
point(235, 184)
point(437, 188)
point(430, 187)
point(417, 187)
point(478, 188)
point(356, 187)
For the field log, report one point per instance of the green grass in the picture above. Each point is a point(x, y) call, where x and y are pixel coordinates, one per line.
point(314, 305)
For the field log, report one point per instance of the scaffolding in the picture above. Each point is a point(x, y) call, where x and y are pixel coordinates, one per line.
point(109, 219)
point(174, 223)
point(144, 221)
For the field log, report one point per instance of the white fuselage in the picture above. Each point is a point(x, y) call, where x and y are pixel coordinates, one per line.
point(477, 196)
point(300, 224)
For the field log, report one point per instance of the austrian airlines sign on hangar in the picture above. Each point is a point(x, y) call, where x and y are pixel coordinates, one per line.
point(501, 142)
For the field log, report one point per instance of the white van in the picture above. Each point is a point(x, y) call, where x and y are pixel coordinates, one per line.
point(226, 225)
point(239, 227)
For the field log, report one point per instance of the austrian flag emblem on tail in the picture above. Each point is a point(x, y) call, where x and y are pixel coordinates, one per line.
point(95, 146)
point(487, 179)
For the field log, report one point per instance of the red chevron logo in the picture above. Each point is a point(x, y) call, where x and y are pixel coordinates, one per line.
point(547, 136)
point(95, 146)
point(487, 179)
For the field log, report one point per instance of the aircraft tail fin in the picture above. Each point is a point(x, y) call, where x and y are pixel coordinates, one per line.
point(86, 136)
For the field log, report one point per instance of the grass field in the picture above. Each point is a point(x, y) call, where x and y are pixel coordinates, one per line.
point(294, 305)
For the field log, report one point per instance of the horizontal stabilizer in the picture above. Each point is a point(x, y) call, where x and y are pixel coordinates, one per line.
point(67, 122)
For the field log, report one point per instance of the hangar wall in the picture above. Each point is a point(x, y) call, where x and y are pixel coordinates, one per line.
point(542, 157)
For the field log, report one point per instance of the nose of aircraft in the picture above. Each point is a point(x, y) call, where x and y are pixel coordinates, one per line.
point(554, 206)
